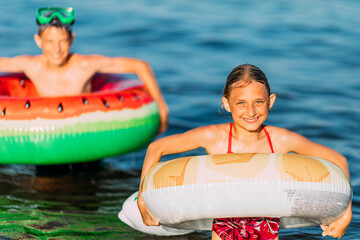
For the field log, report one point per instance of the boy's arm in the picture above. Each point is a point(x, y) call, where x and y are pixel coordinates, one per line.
point(143, 70)
point(14, 64)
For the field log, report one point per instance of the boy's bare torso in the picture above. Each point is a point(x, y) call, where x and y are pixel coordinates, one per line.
point(57, 72)
point(68, 79)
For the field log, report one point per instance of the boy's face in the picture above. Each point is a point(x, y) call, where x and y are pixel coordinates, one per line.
point(55, 44)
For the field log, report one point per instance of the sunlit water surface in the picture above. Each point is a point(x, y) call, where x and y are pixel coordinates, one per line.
point(309, 50)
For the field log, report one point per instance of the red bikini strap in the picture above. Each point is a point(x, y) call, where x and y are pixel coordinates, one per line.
point(265, 131)
point(268, 138)
point(230, 139)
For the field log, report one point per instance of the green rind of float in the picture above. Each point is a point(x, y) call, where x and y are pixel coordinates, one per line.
point(83, 123)
point(37, 131)
point(69, 146)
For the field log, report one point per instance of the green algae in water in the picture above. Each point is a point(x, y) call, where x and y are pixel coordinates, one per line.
point(59, 225)
point(47, 225)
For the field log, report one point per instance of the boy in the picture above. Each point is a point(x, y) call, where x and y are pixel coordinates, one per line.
point(57, 72)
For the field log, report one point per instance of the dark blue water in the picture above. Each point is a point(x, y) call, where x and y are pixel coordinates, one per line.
point(310, 51)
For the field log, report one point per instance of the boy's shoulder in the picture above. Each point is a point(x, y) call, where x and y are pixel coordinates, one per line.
point(80, 59)
point(27, 58)
point(26, 62)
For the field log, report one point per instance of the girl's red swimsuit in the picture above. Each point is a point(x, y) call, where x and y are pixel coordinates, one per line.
point(247, 228)
point(265, 131)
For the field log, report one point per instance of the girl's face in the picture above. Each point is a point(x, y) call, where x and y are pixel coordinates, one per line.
point(249, 105)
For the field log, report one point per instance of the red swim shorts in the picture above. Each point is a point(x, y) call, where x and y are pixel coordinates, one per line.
point(261, 228)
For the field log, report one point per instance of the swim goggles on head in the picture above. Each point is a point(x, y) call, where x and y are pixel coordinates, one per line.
point(55, 15)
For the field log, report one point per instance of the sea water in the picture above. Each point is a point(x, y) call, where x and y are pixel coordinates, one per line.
point(310, 51)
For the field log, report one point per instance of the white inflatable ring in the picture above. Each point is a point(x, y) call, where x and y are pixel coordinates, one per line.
point(187, 193)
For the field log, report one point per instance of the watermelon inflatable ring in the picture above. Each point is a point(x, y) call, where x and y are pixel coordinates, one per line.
point(117, 117)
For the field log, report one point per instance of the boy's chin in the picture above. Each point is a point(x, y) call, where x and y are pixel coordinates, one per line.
point(57, 63)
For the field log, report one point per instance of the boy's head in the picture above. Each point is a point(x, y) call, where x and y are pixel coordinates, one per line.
point(43, 27)
point(55, 16)
point(55, 37)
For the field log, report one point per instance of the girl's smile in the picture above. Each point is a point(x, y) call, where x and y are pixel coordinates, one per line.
point(251, 120)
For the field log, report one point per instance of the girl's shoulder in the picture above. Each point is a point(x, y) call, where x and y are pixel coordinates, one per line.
point(207, 135)
point(281, 134)
point(213, 138)
point(276, 130)
point(213, 130)
point(286, 140)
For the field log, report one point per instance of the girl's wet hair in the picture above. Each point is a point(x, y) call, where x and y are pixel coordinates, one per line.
point(243, 75)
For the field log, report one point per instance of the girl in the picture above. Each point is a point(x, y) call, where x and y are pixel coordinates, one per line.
point(248, 98)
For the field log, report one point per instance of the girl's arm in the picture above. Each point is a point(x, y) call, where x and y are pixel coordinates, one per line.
point(177, 143)
point(301, 145)
point(304, 146)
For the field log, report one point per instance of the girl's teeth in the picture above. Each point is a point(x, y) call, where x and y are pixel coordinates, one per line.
point(251, 120)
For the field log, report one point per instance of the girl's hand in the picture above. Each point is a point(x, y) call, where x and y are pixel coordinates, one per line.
point(148, 218)
point(337, 229)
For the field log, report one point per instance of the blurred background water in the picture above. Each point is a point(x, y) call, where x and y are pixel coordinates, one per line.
point(310, 51)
